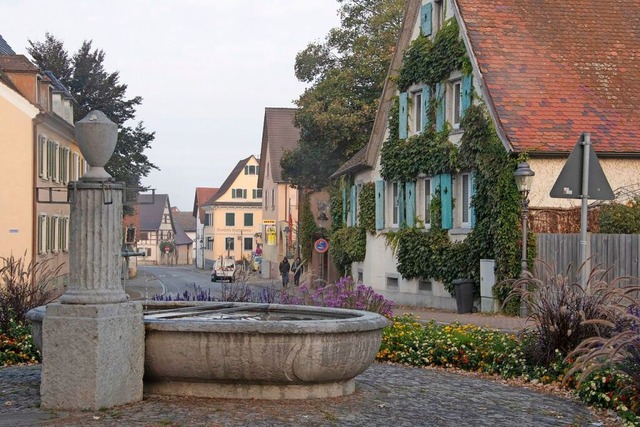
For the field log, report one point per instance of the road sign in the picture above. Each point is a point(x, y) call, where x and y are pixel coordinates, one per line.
point(166, 249)
point(569, 182)
point(321, 246)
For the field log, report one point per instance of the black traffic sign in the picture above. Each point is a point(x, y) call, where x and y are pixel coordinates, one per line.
point(569, 182)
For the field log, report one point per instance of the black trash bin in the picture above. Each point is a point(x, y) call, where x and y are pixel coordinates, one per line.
point(464, 295)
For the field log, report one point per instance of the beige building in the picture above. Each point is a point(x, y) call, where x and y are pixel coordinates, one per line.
point(45, 158)
point(542, 86)
point(280, 200)
point(233, 216)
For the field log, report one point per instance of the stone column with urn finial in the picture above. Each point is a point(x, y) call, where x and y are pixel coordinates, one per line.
point(93, 338)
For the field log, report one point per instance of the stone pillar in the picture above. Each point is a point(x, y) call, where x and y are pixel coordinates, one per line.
point(93, 339)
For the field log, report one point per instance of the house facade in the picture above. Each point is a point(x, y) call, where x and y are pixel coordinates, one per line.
point(233, 216)
point(47, 163)
point(280, 200)
point(185, 225)
point(203, 195)
point(157, 234)
point(461, 74)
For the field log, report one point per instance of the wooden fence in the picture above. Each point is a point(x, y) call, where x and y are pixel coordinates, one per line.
point(619, 252)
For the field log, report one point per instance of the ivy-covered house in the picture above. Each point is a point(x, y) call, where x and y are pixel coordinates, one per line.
point(474, 87)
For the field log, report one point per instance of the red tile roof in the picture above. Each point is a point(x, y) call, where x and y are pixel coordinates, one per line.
point(203, 194)
point(17, 63)
point(553, 69)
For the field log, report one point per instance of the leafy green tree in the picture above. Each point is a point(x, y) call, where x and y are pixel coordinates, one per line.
point(96, 89)
point(347, 74)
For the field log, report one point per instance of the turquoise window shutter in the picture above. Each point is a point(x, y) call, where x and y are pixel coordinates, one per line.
point(379, 205)
point(426, 19)
point(353, 205)
point(426, 94)
point(446, 200)
point(473, 194)
point(400, 202)
point(410, 203)
point(467, 93)
point(344, 205)
point(440, 107)
point(404, 116)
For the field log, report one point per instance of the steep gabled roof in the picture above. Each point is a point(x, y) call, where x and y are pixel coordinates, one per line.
point(229, 181)
point(551, 70)
point(5, 49)
point(185, 220)
point(180, 238)
point(548, 71)
point(203, 194)
point(150, 215)
point(279, 134)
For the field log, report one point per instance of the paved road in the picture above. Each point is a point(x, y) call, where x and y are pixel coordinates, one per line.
point(161, 280)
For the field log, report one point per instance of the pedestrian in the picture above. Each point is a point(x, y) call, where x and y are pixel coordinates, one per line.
point(258, 250)
point(284, 271)
point(296, 267)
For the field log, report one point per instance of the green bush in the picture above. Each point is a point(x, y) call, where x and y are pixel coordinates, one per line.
point(616, 218)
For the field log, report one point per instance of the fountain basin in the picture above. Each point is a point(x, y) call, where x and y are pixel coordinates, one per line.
point(244, 350)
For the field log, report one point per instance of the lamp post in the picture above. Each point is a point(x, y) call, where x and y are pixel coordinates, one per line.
point(524, 178)
point(322, 222)
point(201, 251)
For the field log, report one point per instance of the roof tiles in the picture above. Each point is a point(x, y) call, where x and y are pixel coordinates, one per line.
point(553, 69)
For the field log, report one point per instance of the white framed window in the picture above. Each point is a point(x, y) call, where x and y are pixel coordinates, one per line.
point(427, 193)
point(395, 207)
point(257, 193)
point(54, 230)
point(55, 162)
point(416, 99)
point(42, 234)
point(76, 167)
point(42, 157)
point(465, 183)
point(209, 243)
point(64, 234)
point(273, 199)
point(456, 103)
point(438, 15)
point(238, 193)
point(251, 170)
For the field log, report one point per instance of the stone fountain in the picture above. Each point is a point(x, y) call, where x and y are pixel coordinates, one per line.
point(96, 344)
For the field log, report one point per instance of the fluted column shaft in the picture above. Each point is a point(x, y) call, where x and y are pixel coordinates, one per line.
point(95, 244)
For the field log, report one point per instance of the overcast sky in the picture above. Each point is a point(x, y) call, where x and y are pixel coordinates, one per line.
point(206, 69)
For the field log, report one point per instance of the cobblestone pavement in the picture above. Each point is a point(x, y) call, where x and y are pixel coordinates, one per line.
point(386, 395)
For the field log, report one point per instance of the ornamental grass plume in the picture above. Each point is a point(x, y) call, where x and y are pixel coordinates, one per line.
point(619, 348)
point(24, 286)
point(560, 309)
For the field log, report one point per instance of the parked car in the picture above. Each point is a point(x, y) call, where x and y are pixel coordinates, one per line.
point(223, 270)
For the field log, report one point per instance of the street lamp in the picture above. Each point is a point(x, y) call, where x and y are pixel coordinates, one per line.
point(524, 178)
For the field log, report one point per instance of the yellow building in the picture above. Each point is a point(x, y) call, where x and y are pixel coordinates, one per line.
point(36, 126)
point(233, 216)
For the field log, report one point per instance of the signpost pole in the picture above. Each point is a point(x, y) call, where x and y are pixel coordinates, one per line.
point(584, 194)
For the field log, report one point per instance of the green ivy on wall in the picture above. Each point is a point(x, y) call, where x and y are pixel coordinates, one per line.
point(367, 207)
point(335, 205)
point(307, 228)
point(348, 245)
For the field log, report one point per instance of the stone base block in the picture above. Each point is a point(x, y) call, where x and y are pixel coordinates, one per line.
point(220, 390)
point(93, 355)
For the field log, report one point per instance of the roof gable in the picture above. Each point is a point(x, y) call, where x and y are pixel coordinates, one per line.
point(226, 185)
point(150, 214)
point(552, 70)
point(279, 134)
point(203, 194)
